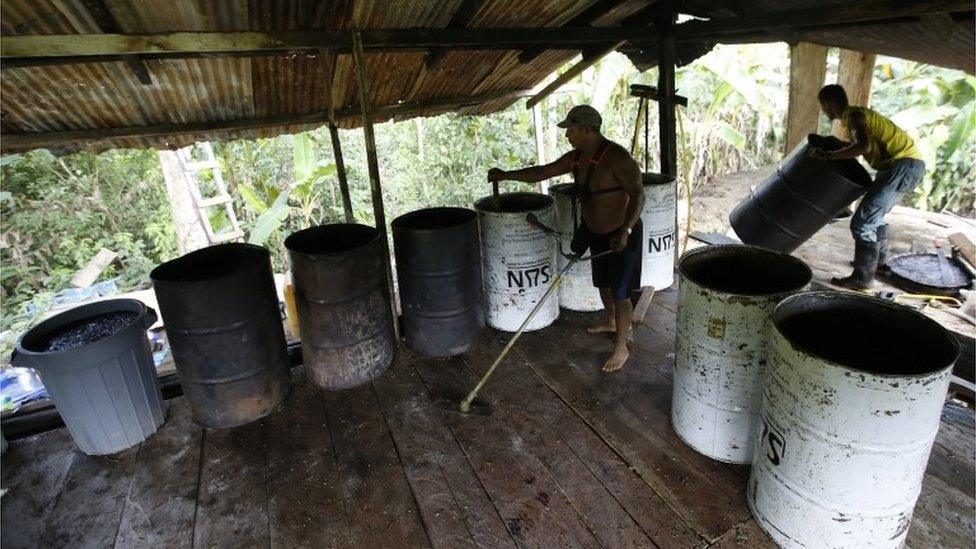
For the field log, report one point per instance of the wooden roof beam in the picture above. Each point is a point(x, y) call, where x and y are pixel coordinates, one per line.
point(21, 141)
point(462, 16)
point(589, 59)
point(862, 11)
point(83, 45)
point(107, 23)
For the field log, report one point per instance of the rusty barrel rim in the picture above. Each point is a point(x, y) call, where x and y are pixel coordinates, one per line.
point(330, 240)
point(434, 219)
point(197, 267)
point(871, 313)
point(781, 273)
point(513, 203)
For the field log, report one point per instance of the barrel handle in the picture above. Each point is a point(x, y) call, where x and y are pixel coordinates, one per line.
point(151, 317)
point(19, 360)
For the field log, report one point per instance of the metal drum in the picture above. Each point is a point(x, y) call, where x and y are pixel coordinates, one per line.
point(725, 299)
point(518, 260)
point(851, 406)
point(800, 198)
point(576, 291)
point(220, 310)
point(343, 303)
point(438, 260)
point(658, 218)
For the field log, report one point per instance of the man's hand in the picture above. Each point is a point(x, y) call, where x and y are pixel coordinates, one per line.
point(619, 241)
point(495, 175)
point(818, 154)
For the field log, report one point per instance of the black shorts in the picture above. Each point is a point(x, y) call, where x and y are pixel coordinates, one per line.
point(620, 271)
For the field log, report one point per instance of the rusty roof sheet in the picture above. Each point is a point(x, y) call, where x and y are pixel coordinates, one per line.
point(206, 91)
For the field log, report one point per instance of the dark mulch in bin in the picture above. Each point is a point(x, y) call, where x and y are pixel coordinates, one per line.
point(87, 330)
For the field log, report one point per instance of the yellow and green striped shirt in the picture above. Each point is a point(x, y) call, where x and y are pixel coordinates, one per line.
point(887, 141)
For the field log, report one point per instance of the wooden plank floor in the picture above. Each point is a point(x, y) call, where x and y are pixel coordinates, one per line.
point(570, 457)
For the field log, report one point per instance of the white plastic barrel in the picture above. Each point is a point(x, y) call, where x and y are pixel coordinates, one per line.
point(657, 260)
point(518, 260)
point(576, 291)
point(726, 296)
point(851, 406)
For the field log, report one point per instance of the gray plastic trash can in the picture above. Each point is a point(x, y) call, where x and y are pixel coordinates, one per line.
point(106, 390)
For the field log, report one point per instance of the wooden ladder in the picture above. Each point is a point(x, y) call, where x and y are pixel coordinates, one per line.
point(190, 170)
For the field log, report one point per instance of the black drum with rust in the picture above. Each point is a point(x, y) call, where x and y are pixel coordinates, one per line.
point(343, 303)
point(223, 323)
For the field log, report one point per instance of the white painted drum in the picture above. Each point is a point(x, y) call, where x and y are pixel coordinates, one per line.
point(726, 296)
point(576, 291)
point(657, 260)
point(518, 260)
point(851, 405)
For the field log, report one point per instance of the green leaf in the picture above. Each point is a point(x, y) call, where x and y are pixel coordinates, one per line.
point(730, 135)
point(271, 220)
point(962, 129)
point(9, 159)
point(303, 156)
point(251, 198)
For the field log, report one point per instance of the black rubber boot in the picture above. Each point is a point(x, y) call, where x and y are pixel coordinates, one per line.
point(865, 265)
point(883, 247)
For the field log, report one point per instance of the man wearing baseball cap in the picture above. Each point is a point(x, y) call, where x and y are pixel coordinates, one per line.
point(611, 196)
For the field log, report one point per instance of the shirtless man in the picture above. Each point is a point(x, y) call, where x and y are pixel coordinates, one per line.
point(610, 189)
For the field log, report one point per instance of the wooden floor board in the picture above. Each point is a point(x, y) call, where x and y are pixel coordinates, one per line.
point(232, 508)
point(159, 510)
point(33, 474)
point(572, 451)
point(379, 504)
point(305, 504)
point(88, 511)
point(457, 511)
point(619, 407)
point(535, 510)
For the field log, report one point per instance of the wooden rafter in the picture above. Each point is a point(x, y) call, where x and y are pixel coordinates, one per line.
point(107, 23)
point(19, 141)
point(462, 16)
point(589, 59)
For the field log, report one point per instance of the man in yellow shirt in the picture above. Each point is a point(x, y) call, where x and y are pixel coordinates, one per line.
point(890, 151)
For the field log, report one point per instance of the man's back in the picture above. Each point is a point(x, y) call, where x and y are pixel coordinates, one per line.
point(888, 141)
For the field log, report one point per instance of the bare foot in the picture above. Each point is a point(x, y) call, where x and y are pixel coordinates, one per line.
point(616, 360)
point(602, 328)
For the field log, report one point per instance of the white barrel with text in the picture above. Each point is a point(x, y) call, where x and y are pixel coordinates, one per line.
point(576, 291)
point(851, 405)
point(518, 260)
point(657, 261)
point(726, 295)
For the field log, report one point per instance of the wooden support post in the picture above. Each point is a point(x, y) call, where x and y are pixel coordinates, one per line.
point(808, 67)
point(341, 173)
point(854, 71)
point(374, 169)
point(666, 103)
point(540, 145)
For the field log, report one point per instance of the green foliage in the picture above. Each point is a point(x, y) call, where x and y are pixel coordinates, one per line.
point(58, 212)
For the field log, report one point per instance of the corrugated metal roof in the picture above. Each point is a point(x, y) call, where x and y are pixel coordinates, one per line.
point(108, 94)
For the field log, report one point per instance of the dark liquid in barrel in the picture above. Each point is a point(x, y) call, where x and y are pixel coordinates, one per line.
point(87, 330)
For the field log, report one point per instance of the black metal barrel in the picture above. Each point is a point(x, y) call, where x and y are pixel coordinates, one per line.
point(343, 303)
point(220, 309)
point(800, 198)
point(438, 257)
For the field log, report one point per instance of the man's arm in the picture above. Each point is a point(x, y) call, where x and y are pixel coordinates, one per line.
point(534, 173)
point(632, 182)
point(861, 144)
